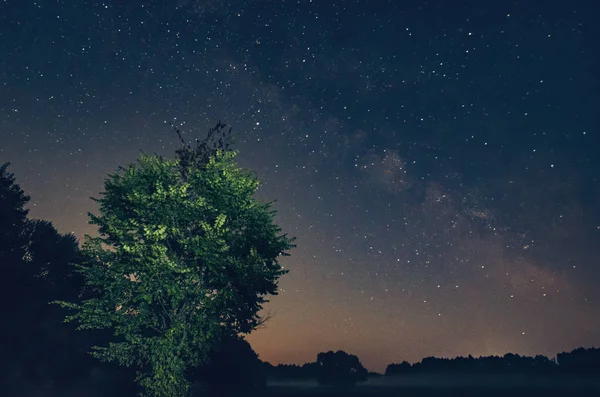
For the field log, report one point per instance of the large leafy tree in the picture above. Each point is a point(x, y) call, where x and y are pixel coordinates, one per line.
point(186, 256)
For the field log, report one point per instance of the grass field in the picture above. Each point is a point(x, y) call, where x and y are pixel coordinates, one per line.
point(449, 385)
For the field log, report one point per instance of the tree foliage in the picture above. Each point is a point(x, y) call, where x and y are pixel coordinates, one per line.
point(233, 366)
point(13, 245)
point(186, 255)
point(580, 360)
point(507, 364)
point(13, 239)
point(340, 368)
point(37, 350)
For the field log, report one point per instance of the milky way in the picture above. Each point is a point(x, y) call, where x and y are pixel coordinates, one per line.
point(436, 162)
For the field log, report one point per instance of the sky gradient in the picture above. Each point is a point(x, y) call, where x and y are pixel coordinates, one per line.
point(437, 162)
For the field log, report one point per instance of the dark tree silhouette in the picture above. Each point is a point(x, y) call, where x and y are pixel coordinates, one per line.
point(509, 363)
point(398, 369)
point(35, 345)
point(38, 351)
point(586, 361)
point(340, 368)
point(291, 371)
point(232, 366)
point(16, 280)
point(47, 347)
point(13, 236)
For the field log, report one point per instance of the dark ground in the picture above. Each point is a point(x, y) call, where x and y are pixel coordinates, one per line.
point(403, 386)
point(448, 385)
point(433, 392)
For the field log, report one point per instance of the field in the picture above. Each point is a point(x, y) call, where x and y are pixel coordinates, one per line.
point(449, 385)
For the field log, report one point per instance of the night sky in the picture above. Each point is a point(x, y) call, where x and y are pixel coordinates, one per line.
point(436, 160)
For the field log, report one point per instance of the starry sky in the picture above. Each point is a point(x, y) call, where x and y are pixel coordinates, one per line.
point(436, 160)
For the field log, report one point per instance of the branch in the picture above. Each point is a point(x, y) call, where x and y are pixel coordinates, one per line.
point(263, 320)
point(178, 133)
point(162, 304)
point(183, 339)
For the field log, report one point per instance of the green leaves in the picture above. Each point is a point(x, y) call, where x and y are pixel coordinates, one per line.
point(220, 221)
point(186, 255)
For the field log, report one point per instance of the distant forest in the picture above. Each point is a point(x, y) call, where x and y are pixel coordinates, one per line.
point(578, 361)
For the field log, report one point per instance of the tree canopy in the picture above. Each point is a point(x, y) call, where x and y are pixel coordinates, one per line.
point(186, 256)
point(340, 368)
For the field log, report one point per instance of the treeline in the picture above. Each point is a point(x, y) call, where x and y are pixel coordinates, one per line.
point(291, 371)
point(579, 361)
point(330, 368)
